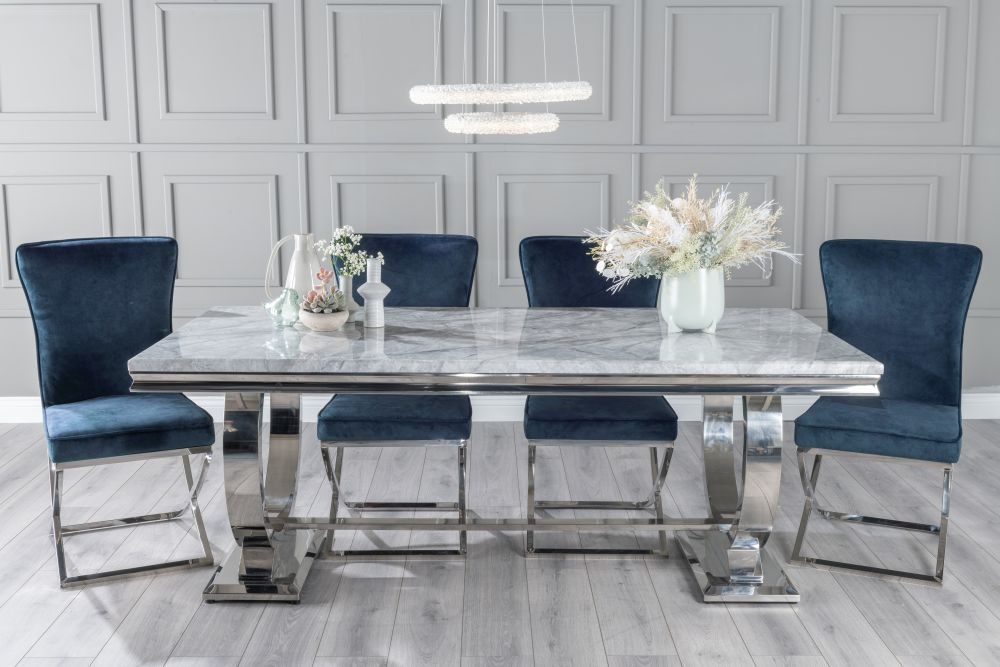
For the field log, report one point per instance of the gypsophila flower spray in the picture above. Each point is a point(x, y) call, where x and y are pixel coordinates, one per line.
point(342, 249)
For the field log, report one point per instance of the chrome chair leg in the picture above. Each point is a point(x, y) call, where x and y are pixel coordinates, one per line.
point(809, 489)
point(659, 477)
point(943, 526)
point(652, 502)
point(60, 531)
point(194, 488)
point(809, 483)
point(333, 473)
point(463, 544)
point(530, 534)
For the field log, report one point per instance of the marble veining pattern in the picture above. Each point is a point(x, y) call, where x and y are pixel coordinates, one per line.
point(579, 341)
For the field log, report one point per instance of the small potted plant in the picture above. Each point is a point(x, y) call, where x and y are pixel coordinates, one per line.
point(323, 306)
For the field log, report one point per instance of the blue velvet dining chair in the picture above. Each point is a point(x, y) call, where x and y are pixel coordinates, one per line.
point(423, 271)
point(94, 304)
point(905, 304)
point(559, 273)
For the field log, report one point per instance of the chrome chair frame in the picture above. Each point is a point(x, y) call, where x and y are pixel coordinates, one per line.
point(653, 501)
point(333, 474)
point(60, 532)
point(809, 483)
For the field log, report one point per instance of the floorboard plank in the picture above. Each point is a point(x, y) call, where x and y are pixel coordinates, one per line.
point(564, 621)
point(835, 623)
point(631, 620)
point(703, 634)
point(289, 634)
point(493, 466)
point(364, 610)
point(428, 625)
point(497, 614)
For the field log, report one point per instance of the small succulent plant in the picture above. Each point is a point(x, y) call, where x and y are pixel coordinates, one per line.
point(324, 297)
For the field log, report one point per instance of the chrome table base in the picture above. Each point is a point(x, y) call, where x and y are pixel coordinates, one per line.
point(269, 563)
point(707, 554)
point(294, 553)
point(275, 550)
point(732, 565)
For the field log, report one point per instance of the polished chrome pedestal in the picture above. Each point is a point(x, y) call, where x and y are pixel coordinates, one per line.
point(293, 555)
point(732, 565)
point(706, 553)
point(275, 550)
point(270, 562)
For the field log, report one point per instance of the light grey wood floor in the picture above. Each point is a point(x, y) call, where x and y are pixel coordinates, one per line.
point(496, 607)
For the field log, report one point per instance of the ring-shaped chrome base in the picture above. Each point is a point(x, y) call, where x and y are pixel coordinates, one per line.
point(275, 549)
point(270, 561)
point(732, 564)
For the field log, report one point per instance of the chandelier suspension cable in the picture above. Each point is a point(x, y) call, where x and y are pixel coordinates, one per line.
point(496, 48)
point(545, 53)
point(576, 44)
point(438, 32)
point(465, 43)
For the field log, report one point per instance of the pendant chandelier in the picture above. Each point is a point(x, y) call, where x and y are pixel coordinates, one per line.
point(496, 93)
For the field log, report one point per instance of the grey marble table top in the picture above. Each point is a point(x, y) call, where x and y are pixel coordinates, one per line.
point(626, 343)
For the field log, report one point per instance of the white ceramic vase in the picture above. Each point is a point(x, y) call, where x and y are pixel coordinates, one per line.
point(374, 292)
point(346, 285)
point(694, 301)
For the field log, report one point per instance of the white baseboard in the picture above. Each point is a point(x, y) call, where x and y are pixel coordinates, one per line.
point(20, 410)
point(28, 409)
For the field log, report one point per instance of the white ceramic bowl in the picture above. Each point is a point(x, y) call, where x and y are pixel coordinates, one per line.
point(323, 321)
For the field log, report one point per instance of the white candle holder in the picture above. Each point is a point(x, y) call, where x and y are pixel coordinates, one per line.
point(374, 292)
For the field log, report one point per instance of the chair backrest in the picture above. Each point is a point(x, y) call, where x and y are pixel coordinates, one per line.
point(424, 270)
point(904, 303)
point(559, 273)
point(95, 303)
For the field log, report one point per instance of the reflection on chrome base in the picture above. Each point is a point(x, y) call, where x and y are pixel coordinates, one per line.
point(708, 555)
point(294, 554)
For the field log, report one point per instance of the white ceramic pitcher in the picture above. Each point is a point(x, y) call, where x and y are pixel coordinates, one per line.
point(301, 275)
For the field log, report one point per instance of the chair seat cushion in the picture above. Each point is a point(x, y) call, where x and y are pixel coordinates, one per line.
point(126, 424)
point(885, 427)
point(353, 417)
point(599, 418)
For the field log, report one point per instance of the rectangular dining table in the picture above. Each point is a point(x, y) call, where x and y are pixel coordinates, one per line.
point(755, 357)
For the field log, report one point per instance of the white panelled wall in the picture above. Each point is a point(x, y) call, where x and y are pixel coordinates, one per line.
point(230, 124)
